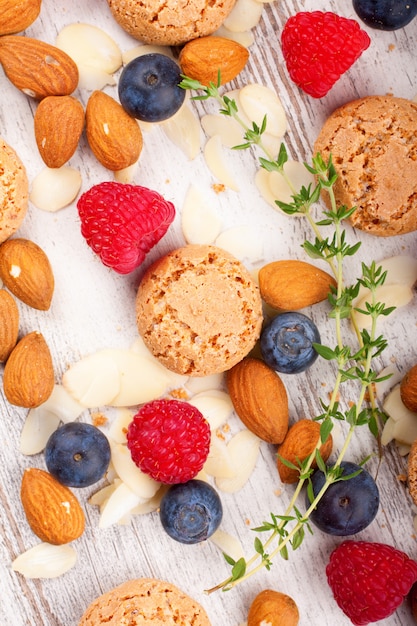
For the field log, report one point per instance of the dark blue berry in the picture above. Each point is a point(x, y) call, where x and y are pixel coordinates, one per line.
point(348, 506)
point(77, 454)
point(191, 512)
point(148, 88)
point(287, 343)
point(386, 14)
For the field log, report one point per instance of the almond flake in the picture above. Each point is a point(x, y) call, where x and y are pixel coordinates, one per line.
point(184, 130)
point(244, 451)
point(200, 223)
point(45, 561)
point(240, 242)
point(119, 504)
point(228, 544)
point(55, 188)
point(215, 405)
point(141, 484)
point(257, 101)
point(216, 162)
point(244, 16)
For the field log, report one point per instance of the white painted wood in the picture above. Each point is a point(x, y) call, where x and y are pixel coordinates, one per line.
point(93, 308)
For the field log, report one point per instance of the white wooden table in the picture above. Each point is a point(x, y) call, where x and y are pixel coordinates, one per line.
point(93, 308)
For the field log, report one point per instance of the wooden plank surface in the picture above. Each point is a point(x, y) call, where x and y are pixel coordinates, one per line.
point(93, 308)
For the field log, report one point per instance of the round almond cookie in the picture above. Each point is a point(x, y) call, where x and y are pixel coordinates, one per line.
point(14, 191)
point(145, 601)
point(172, 22)
point(373, 143)
point(199, 310)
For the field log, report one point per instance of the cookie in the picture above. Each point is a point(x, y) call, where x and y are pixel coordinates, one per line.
point(145, 601)
point(14, 191)
point(172, 22)
point(198, 310)
point(373, 142)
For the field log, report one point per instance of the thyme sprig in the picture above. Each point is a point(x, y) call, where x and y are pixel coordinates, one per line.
point(354, 364)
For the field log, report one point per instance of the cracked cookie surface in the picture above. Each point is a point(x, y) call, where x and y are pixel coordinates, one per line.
point(198, 310)
point(170, 22)
point(373, 143)
point(145, 601)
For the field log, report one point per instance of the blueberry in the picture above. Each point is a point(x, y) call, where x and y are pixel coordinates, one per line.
point(77, 454)
point(287, 343)
point(386, 14)
point(148, 88)
point(191, 512)
point(348, 506)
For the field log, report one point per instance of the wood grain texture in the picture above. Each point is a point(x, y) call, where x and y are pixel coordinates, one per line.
point(93, 308)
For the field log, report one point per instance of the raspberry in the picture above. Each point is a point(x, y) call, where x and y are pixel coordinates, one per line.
point(122, 222)
point(319, 47)
point(369, 580)
point(169, 440)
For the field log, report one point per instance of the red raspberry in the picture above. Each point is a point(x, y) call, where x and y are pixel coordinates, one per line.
point(369, 580)
point(169, 440)
point(319, 47)
point(122, 222)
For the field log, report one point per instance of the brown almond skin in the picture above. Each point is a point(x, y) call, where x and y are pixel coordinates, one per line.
point(59, 122)
point(259, 398)
point(292, 285)
point(202, 59)
point(28, 378)
point(299, 443)
point(408, 389)
point(114, 137)
point(52, 510)
point(37, 68)
point(26, 271)
point(17, 15)
point(9, 324)
point(273, 608)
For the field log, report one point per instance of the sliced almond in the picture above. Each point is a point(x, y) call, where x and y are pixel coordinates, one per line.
point(94, 380)
point(38, 427)
point(299, 176)
point(245, 38)
point(396, 295)
point(244, 16)
point(184, 130)
point(258, 101)
point(217, 163)
point(228, 544)
point(200, 223)
point(89, 46)
point(119, 504)
point(141, 484)
point(119, 425)
point(244, 451)
point(215, 405)
point(230, 131)
point(219, 463)
point(55, 188)
point(239, 241)
point(45, 561)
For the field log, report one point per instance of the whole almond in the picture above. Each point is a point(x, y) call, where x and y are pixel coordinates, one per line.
point(9, 324)
point(292, 285)
point(204, 58)
point(52, 510)
point(37, 68)
point(27, 273)
point(408, 389)
point(259, 398)
point(273, 608)
point(114, 137)
point(17, 15)
point(28, 377)
point(59, 122)
point(300, 441)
